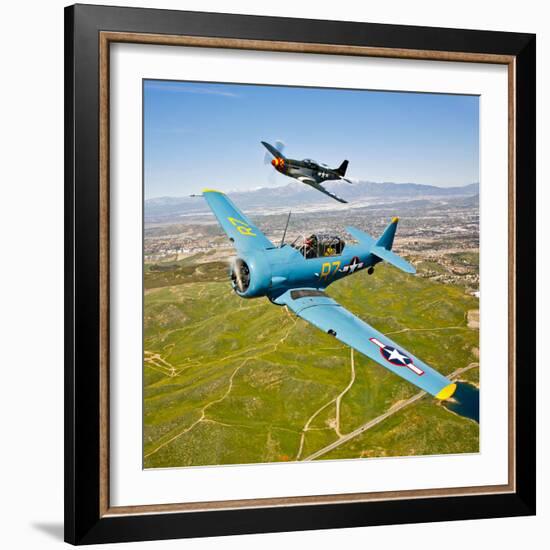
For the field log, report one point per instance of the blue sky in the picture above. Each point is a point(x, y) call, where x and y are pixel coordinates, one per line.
point(208, 135)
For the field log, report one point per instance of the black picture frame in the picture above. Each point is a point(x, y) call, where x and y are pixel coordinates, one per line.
point(84, 522)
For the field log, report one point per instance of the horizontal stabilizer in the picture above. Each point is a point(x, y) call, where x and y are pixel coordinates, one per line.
point(392, 258)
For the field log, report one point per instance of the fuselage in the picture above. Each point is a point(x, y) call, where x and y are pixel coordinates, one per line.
point(273, 271)
point(308, 169)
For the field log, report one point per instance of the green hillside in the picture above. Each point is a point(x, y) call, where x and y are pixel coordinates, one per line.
point(228, 380)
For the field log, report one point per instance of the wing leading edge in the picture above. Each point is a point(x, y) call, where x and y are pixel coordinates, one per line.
point(241, 231)
point(317, 308)
point(319, 187)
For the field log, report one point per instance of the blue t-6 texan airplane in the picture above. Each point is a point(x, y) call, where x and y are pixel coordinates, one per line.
point(296, 275)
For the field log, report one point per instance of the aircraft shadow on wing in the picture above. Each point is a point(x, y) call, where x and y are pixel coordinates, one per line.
point(296, 275)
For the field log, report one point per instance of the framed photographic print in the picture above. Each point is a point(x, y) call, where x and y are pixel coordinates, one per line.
point(299, 274)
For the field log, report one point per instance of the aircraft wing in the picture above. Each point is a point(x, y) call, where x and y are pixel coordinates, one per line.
point(317, 308)
point(311, 182)
point(241, 231)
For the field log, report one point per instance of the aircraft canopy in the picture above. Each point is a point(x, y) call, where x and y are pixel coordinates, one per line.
point(319, 245)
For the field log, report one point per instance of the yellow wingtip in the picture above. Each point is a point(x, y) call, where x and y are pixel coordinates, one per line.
point(446, 392)
point(395, 219)
point(211, 191)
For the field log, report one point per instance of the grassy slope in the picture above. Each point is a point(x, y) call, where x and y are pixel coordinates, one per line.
point(235, 381)
point(425, 428)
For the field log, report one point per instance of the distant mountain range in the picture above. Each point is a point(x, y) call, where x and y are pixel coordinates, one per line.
point(298, 196)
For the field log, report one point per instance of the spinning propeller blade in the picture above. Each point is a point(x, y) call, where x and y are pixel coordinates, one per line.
point(273, 152)
point(236, 274)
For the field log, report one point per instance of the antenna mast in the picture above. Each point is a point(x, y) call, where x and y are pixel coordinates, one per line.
point(284, 233)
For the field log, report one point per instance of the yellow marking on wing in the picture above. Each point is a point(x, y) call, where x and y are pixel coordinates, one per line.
point(395, 219)
point(245, 230)
point(446, 392)
point(242, 227)
point(212, 191)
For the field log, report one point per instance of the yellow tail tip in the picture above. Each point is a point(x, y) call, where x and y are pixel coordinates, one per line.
point(212, 191)
point(446, 392)
point(395, 219)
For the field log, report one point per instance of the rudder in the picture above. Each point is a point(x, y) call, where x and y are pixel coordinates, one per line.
point(386, 239)
point(341, 170)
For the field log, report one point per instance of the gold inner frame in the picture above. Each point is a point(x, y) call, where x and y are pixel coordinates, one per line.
point(105, 39)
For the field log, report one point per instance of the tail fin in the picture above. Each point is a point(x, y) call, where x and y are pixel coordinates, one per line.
point(384, 245)
point(386, 239)
point(341, 170)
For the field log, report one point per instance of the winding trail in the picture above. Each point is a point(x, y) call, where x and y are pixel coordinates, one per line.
point(203, 411)
point(367, 426)
point(336, 400)
point(202, 417)
point(425, 329)
point(156, 362)
point(339, 398)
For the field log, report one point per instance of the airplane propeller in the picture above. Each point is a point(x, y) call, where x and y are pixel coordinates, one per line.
point(280, 146)
point(272, 176)
point(235, 273)
point(240, 274)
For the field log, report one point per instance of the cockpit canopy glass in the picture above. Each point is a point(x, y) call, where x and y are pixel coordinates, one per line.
point(310, 161)
point(319, 245)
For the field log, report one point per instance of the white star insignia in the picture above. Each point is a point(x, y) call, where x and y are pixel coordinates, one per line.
point(399, 356)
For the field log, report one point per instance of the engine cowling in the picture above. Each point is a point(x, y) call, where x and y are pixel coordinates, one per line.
point(251, 277)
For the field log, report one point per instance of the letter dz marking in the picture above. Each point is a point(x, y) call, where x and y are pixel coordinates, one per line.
point(242, 227)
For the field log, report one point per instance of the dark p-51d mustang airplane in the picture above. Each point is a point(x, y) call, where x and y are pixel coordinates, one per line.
point(297, 275)
point(308, 171)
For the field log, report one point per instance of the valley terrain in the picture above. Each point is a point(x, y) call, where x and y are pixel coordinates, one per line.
point(235, 381)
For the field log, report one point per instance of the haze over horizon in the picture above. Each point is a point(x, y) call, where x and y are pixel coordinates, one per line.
point(199, 135)
point(300, 185)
